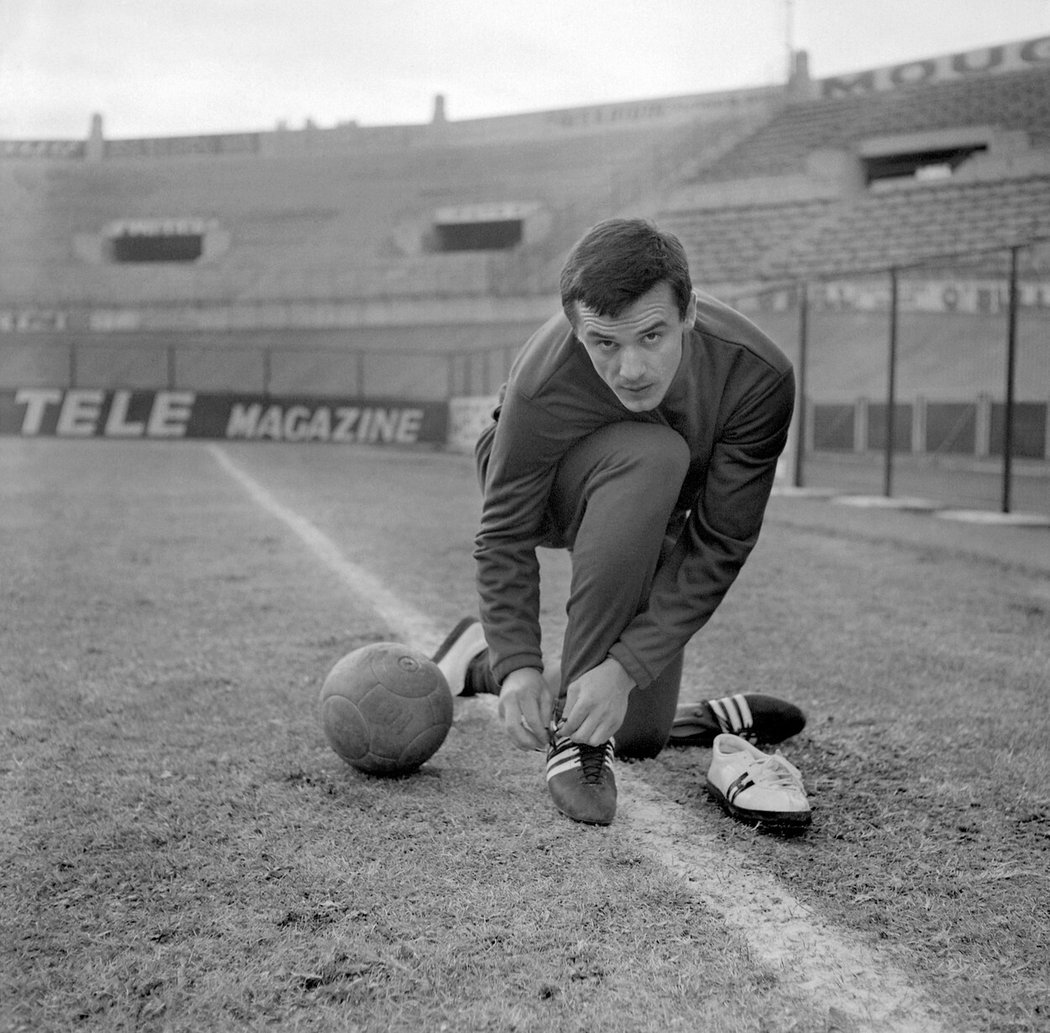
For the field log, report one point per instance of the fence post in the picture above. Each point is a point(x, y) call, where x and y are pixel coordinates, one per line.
point(982, 426)
point(800, 412)
point(891, 388)
point(918, 426)
point(861, 420)
point(1011, 363)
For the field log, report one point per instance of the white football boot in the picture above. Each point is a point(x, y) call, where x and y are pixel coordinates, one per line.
point(758, 788)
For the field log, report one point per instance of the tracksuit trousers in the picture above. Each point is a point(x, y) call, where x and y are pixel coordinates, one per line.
point(613, 506)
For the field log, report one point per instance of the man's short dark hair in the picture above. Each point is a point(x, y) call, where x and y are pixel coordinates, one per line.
point(619, 260)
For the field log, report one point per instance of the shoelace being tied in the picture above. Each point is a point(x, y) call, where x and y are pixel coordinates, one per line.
point(593, 759)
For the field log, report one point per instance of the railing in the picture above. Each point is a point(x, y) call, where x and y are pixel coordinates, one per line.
point(963, 342)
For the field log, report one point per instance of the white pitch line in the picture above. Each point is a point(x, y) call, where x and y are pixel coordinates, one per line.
point(409, 625)
point(833, 972)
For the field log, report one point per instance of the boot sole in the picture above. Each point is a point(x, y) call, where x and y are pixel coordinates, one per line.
point(777, 821)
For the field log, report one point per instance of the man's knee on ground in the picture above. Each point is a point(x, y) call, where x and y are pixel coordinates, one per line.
point(646, 727)
point(641, 744)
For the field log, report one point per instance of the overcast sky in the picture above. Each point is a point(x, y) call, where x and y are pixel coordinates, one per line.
point(169, 67)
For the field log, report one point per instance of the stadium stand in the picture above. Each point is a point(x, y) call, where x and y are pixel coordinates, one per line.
point(1009, 101)
point(329, 224)
point(772, 189)
point(880, 178)
point(415, 259)
point(730, 246)
point(914, 224)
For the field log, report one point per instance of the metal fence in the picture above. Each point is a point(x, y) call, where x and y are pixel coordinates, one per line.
point(928, 379)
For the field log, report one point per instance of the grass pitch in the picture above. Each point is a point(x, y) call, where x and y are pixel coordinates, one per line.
point(183, 852)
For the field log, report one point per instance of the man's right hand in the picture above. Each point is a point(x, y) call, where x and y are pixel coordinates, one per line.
point(525, 705)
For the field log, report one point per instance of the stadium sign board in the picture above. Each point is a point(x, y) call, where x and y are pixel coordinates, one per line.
point(1008, 57)
point(170, 415)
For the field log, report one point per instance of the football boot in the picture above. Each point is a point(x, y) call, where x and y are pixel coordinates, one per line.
point(751, 715)
point(581, 781)
point(463, 659)
point(761, 789)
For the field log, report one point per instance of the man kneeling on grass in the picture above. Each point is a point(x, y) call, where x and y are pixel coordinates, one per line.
point(639, 429)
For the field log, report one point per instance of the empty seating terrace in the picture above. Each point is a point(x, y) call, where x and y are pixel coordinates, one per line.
point(898, 226)
point(309, 224)
point(1011, 101)
point(732, 245)
point(910, 224)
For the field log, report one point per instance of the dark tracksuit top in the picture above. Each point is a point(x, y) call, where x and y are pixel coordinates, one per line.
point(731, 400)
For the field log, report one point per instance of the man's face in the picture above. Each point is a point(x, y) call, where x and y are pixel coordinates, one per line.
point(638, 352)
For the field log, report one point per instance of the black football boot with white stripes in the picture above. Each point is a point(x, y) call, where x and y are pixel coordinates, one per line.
point(581, 782)
point(751, 715)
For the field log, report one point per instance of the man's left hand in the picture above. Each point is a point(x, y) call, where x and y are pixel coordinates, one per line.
point(596, 704)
